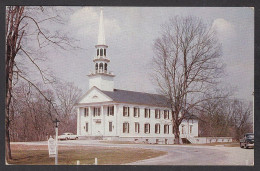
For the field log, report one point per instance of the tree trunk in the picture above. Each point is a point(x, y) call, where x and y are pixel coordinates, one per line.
point(7, 138)
point(176, 131)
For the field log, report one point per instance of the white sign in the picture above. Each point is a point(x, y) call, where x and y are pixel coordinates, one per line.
point(52, 147)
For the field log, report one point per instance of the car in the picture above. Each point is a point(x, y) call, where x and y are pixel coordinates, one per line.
point(247, 141)
point(67, 136)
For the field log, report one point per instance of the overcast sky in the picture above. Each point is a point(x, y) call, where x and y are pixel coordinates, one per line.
point(130, 32)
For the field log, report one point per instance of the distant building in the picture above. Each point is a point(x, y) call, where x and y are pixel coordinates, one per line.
point(113, 114)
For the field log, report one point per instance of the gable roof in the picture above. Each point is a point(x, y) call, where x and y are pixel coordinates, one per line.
point(137, 98)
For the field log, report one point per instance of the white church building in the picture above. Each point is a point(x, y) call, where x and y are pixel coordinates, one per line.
point(104, 112)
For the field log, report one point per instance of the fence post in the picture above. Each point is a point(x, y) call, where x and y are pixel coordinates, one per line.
point(96, 162)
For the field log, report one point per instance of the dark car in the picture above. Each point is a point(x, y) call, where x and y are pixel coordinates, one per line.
point(247, 141)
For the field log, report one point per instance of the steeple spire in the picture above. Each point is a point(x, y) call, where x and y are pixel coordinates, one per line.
point(102, 78)
point(101, 33)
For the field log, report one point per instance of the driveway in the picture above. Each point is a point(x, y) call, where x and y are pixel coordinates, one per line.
point(177, 154)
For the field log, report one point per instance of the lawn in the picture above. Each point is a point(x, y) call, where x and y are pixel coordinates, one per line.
point(68, 155)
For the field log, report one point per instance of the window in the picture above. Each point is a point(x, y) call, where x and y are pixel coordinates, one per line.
point(101, 52)
point(126, 127)
point(166, 114)
point(105, 66)
point(96, 111)
point(85, 112)
point(105, 52)
point(157, 128)
point(190, 129)
point(110, 110)
point(147, 128)
point(136, 112)
point(137, 127)
point(126, 111)
point(97, 52)
point(86, 127)
point(157, 113)
point(101, 66)
point(166, 129)
point(147, 113)
point(110, 126)
point(182, 129)
point(96, 66)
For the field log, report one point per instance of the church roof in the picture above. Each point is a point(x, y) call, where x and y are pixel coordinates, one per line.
point(137, 98)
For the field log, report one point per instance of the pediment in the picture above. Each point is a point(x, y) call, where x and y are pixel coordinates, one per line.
point(94, 95)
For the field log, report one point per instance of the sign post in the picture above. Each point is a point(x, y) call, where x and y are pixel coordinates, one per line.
point(56, 137)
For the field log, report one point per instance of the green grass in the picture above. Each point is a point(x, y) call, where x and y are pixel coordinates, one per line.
point(35, 155)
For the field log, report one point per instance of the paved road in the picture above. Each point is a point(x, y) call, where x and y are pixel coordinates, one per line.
point(178, 154)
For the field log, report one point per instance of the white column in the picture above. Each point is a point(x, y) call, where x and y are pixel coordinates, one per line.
point(103, 116)
point(78, 122)
point(90, 120)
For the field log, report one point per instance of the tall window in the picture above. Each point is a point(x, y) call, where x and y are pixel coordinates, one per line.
point(96, 66)
point(105, 66)
point(157, 113)
point(86, 127)
point(190, 129)
point(105, 52)
point(126, 111)
point(182, 129)
point(147, 128)
point(101, 52)
point(110, 126)
point(166, 114)
point(166, 129)
point(147, 113)
point(96, 111)
point(101, 66)
point(157, 128)
point(126, 127)
point(136, 112)
point(97, 52)
point(85, 112)
point(110, 110)
point(137, 127)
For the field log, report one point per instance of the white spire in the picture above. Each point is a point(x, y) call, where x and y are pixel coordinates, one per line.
point(101, 33)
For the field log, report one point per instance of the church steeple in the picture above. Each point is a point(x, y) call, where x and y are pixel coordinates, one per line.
point(101, 33)
point(101, 77)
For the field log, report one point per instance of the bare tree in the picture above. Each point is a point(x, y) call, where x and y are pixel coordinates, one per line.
point(24, 29)
point(241, 118)
point(187, 65)
point(67, 95)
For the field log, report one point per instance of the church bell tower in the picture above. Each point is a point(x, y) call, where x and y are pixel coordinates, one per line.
point(101, 77)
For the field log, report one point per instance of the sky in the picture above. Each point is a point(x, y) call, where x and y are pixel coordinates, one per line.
point(130, 33)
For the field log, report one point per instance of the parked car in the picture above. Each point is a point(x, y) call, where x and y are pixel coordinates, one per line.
point(247, 141)
point(67, 136)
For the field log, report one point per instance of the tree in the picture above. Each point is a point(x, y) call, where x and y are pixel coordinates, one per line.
point(186, 64)
point(24, 28)
point(67, 95)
